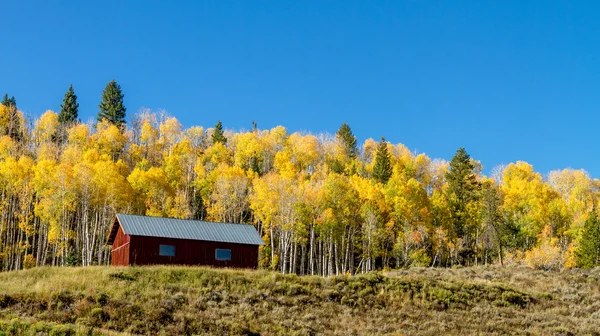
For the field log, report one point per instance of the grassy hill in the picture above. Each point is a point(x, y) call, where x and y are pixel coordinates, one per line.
point(187, 300)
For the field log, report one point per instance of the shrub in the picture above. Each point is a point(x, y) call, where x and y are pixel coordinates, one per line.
point(547, 256)
point(419, 258)
point(63, 330)
point(29, 261)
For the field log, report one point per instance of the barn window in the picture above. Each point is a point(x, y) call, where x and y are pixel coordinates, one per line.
point(221, 254)
point(166, 250)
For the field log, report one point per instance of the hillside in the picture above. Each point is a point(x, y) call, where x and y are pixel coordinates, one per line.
point(185, 300)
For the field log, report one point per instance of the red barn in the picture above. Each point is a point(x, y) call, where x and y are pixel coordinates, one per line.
point(141, 240)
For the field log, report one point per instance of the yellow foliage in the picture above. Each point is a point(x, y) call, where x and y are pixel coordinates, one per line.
point(526, 197)
point(29, 261)
point(196, 135)
point(246, 146)
point(47, 151)
point(79, 134)
point(149, 134)
point(154, 187)
point(229, 197)
point(283, 165)
point(514, 258)
point(170, 132)
point(570, 257)
point(304, 151)
point(577, 194)
point(46, 126)
point(8, 147)
point(546, 256)
point(216, 154)
point(108, 138)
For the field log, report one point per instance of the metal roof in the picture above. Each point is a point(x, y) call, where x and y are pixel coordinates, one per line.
point(189, 229)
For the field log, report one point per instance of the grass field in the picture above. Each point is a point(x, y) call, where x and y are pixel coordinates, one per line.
point(190, 300)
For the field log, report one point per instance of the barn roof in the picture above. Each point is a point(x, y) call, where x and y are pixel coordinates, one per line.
point(185, 229)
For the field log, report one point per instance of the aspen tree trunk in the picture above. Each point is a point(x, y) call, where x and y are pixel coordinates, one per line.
point(319, 258)
point(302, 259)
point(330, 255)
point(337, 259)
point(294, 257)
point(272, 238)
point(476, 246)
point(312, 248)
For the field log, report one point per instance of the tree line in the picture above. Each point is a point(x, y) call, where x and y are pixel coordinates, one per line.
point(323, 204)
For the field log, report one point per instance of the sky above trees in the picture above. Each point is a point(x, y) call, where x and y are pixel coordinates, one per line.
point(507, 81)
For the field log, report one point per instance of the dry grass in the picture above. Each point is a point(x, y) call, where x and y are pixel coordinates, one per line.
point(187, 300)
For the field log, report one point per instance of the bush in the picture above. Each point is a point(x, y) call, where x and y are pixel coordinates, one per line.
point(547, 256)
point(63, 330)
point(419, 258)
point(29, 261)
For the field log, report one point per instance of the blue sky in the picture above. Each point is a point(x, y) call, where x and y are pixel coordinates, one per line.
point(507, 80)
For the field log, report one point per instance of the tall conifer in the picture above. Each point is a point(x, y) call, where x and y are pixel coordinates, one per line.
point(588, 254)
point(69, 108)
point(111, 106)
point(218, 135)
point(463, 190)
point(382, 170)
point(348, 141)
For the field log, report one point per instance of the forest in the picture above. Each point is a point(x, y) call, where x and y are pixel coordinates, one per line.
point(324, 204)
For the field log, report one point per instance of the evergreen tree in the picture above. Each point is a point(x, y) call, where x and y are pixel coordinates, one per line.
point(13, 126)
point(462, 193)
point(111, 106)
point(69, 108)
point(256, 164)
point(382, 170)
point(348, 141)
point(9, 102)
point(218, 135)
point(588, 253)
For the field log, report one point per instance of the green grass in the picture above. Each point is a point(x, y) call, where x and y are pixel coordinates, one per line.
point(192, 300)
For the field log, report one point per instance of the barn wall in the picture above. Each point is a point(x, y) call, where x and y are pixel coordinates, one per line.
point(120, 249)
point(144, 251)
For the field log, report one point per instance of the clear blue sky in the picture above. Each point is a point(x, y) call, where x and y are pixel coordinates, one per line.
point(507, 80)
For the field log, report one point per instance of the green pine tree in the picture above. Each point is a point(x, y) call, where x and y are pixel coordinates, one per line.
point(218, 135)
point(382, 170)
point(111, 106)
point(588, 253)
point(463, 191)
point(348, 141)
point(9, 102)
point(69, 108)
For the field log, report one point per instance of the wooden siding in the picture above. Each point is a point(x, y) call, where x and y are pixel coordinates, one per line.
point(144, 251)
point(120, 248)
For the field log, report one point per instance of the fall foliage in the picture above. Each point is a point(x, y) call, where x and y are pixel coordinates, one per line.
point(322, 204)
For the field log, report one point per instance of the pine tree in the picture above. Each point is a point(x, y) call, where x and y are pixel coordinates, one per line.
point(463, 190)
point(111, 106)
point(13, 127)
point(348, 141)
point(9, 102)
point(218, 135)
point(69, 108)
point(382, 170)
point(588, 253)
